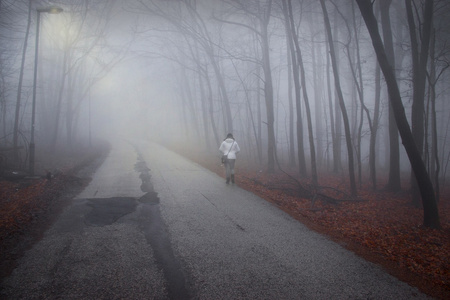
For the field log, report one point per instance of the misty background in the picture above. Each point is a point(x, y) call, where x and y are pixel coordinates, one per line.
point(185, 73)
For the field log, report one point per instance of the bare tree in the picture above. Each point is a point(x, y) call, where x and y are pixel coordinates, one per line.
point(297, 55)
point(193, 28)
point(358, 81)
point(291, 150)
point(288, 14)
point(394, 183)
point(14, 26)
point(318, 82)
point(431, 215)
point(341, 100)
point(261, 12)
point(19, 88)
point(419, 57)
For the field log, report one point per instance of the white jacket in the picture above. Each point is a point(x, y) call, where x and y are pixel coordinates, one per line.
point(226, 145)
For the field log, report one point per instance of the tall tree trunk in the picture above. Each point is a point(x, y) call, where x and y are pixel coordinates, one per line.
point(305, 95)
point(204, 105)
point(297, 87)
point(419, 61)
point(394, 183)
point(318, 96)
point(19, 88)
point(259, 115)
point(373, 136)
point(211, 109)
point(336, 155)
point(431, 215)
point(434, 162)
point(268, 95)
point(341, 101)
point(290, 101)
point(358, 83)
point(360, 89)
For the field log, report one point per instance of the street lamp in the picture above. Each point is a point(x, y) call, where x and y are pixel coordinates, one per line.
point(50, 10)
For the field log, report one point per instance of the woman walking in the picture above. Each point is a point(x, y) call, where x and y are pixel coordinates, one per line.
point(229, 148)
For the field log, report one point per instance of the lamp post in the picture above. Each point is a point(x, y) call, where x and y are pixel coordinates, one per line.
point(50, 10)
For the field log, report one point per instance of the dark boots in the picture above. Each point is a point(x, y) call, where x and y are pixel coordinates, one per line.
point(232, 179)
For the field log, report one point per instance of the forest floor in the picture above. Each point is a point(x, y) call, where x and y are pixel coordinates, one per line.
point(381, 227)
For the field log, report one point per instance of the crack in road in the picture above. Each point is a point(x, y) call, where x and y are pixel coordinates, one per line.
point(157, 235)
point(236, 224)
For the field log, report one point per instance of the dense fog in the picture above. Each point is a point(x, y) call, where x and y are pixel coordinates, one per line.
point(189, 72)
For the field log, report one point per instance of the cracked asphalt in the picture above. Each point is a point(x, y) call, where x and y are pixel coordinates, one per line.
point(153, 225)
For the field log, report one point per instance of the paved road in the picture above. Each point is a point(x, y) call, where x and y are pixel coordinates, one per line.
point(153, 225)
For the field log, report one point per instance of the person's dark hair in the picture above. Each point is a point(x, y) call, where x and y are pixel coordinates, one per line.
point(229, 136)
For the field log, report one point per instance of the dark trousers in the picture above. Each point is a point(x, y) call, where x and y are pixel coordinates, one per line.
point(229, 167)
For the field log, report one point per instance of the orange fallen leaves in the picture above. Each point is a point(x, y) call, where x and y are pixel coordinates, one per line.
point(18, 204)
point(22, 201)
